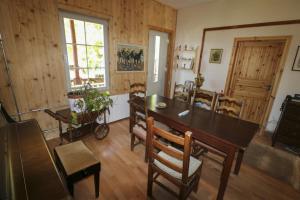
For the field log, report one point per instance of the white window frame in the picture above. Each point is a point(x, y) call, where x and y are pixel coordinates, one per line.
point(64, 14)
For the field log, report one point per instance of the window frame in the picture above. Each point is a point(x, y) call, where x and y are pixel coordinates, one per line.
point(82, 17)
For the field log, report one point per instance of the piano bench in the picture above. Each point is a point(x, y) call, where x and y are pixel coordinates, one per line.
point(77, 162)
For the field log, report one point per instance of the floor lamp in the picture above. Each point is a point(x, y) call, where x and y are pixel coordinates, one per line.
point(9, 79)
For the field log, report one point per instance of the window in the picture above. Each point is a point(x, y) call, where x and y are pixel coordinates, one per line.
point(86, 51)
point(156, 59)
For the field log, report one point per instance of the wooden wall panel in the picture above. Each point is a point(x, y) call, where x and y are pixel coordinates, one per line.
point(32, 39)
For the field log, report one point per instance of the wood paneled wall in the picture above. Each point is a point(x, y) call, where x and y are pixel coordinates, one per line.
point(32, 38)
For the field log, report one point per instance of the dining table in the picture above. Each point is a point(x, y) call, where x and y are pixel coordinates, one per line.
point(221, 132)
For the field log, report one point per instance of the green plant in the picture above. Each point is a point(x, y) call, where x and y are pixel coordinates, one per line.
point(93, 100)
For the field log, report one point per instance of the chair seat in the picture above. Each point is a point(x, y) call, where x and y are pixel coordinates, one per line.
point(75, 157)
point(202, 105)
point(194, 164)
point(161, 126)
point(139, 131)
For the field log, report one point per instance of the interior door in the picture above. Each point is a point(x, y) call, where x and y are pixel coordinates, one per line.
point(255, 66)
point(157, 62)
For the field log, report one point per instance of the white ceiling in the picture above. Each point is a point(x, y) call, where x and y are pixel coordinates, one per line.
point(182, 3)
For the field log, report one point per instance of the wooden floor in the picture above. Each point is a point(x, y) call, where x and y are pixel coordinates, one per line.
point(124, 174)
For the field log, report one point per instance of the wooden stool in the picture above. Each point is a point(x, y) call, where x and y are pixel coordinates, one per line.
point(76, 162)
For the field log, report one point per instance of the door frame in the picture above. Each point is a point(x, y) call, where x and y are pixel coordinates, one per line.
point(168, 74)
point(287, 40)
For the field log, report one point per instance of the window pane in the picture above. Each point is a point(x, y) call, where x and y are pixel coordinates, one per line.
point(156, 58)
point(78, 77)
point(79, 32)
point(81, 54)
point(70, 55)
point(94, 34)
point(95, 56)
point(97, 76)
point(67, 30)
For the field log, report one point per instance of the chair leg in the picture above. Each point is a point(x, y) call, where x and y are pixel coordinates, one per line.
point(132, 141)
point(150, 181)
point(146, 154)
point(70, 187)
point(182, 193)
point(96, 182)
point(198, 179)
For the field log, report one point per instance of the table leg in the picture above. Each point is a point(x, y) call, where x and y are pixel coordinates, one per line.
point(239, 161)
point(225, 173)
point(96, 182)
point(70, 132)
point(60, 132)
point(70, 187)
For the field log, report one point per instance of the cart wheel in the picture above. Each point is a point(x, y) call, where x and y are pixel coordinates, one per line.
point(101, 131)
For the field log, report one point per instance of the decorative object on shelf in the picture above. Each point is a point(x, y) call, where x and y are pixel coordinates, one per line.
point(215, 56)
point(185, 58)
point(296, 64)
point(130, 58)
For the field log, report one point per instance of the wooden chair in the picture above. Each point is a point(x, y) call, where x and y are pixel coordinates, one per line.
point(189, 85)
point(174, 165)
point(229, 106)
point(182, 92)
point(138, 114)
point(224, 105)
point(205, 99)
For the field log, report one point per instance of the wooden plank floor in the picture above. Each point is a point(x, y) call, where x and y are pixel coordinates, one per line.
point(124, 174)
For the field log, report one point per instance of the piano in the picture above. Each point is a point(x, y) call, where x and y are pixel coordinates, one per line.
point(27, 170)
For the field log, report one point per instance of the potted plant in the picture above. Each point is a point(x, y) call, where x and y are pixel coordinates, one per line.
point(90, 105)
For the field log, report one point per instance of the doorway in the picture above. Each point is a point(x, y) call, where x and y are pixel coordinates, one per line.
point(157, 62)
point(255, 74)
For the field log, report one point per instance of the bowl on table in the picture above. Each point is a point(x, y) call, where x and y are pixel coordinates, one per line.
point(161, 105)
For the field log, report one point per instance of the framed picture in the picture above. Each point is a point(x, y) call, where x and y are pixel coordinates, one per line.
point(296, 64)
point(130, 58)
point(215, 56)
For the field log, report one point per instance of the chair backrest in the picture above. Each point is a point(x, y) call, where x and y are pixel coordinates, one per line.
point(229, 106)
point(138, 106)
point(183, 92)
point(155, 145)
point(189, 85)
point(178, 88)
point(206, 98)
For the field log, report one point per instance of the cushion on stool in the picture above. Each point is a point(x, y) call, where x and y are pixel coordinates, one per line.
point(75, 157)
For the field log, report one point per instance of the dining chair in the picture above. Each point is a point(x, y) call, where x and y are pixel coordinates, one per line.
point(189, 85)
point(182, 92)
point(138, 116)
point(224, 105)
point(177, 166)
point(230, 106)
point(179, 92)
point(204, 99)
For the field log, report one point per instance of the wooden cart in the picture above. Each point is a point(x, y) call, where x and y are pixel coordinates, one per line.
point(83, 124)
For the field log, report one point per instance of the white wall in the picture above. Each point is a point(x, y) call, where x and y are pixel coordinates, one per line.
point(192, 21)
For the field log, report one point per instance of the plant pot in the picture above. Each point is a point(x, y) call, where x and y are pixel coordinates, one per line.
point(74, 98)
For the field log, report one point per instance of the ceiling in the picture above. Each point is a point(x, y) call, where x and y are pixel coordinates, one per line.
point(182, 3)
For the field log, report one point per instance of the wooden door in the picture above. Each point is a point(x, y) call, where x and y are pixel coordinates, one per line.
point(255, 66)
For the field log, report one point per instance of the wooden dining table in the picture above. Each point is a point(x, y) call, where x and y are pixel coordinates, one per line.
point(221, 132)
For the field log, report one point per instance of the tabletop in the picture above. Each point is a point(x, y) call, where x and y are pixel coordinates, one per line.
point(230, 130)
